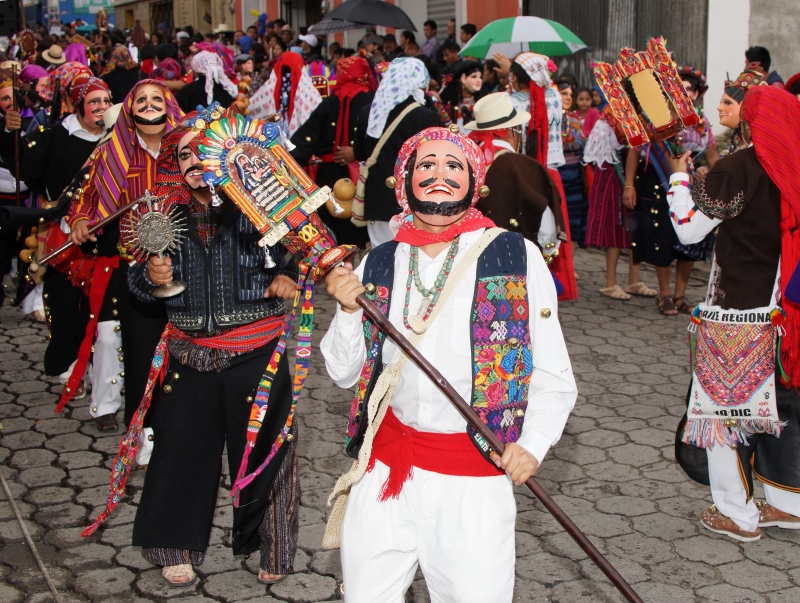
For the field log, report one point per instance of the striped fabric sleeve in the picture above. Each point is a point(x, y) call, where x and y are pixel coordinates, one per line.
point(84, 204)
point(690, 223)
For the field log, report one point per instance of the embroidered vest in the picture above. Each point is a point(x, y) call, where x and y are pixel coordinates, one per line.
point(502, 360)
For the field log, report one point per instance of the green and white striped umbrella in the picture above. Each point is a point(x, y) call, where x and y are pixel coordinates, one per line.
point(522, 34)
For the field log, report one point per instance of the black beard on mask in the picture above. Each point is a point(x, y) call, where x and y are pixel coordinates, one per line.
point(432, 208)
point(143, 121)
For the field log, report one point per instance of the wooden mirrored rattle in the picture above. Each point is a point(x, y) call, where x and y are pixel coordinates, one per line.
point(150, 231)
point(246, 158)
point(666, 109)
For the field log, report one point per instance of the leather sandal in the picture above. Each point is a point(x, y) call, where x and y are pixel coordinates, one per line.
point(682, 304)
point(107, 422)
point(615, 292)
point(266, 578)
point(640, 290)
point(666, 307)
point(178, 576)
point(713, 520)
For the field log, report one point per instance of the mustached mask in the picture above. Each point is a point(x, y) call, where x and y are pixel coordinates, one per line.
point(149, 109)
point(86, 86)
point(438, 181)
point(437, 177)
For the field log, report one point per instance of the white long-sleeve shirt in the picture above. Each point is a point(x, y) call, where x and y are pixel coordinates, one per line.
point(691, 225)
point(447, 344)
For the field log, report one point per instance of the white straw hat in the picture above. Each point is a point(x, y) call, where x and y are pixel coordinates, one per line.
point(496, 112)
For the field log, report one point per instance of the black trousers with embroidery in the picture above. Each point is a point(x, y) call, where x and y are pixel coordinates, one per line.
point(775, 461)
point(204, 413)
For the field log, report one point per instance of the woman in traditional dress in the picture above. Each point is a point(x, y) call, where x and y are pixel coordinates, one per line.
point(572, 141)
point(607, 219)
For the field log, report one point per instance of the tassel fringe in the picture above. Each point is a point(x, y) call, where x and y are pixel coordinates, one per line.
point(705, 433)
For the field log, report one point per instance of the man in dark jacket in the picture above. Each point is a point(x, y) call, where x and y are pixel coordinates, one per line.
point(398, 108)
point(222, 332)
point(329, 136)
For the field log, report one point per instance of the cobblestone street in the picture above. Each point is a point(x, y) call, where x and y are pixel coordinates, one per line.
point(613, 472)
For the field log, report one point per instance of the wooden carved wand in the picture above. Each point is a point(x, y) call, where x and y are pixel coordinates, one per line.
point(104, 222)
point(466, 411)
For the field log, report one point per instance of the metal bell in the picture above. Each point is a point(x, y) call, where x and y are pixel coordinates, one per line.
point(391, 182)
point(269, 263)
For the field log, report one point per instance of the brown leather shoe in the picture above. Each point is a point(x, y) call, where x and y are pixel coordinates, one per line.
point(713, 520)
point(107, 422)
point(775, 518)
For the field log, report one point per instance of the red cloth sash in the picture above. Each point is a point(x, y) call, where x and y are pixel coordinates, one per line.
point(402, 448)
point(101, 275)
point(241, 339)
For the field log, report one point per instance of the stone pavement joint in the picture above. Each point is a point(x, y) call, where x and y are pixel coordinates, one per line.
point(613, 471)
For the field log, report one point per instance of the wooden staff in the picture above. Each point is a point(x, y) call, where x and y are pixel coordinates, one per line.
point(104, 222)
point(466, 411)
point(17, 134)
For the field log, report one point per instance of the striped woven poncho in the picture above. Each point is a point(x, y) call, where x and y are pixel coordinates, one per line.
point(123, 170)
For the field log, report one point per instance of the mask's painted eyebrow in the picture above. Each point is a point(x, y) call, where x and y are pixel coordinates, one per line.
point(429, 155)
point(456, 159)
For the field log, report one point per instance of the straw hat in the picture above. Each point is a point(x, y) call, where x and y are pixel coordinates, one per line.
point(222, 28)
point(54, 55)
point(496, 112)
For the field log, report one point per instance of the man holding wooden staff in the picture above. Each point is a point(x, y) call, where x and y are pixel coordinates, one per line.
point(480, 304)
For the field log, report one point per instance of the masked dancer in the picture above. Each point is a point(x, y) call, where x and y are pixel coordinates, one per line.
point(221, 334)
point(124, 331)
point(743, 407)
point(508, 359)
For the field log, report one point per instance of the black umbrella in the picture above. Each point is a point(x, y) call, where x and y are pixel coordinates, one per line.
point(328, 25)
point(372, 12)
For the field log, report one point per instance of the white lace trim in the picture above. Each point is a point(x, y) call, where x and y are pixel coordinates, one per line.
point(602, 145)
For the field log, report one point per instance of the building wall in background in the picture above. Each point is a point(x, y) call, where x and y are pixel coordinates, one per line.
point(608, 25)
point(728, 35)
point(774, 24)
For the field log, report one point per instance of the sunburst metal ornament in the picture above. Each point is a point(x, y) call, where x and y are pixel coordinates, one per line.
point(153, 232)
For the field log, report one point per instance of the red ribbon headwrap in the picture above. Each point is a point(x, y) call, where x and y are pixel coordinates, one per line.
point(83, 85)
point(353, 76)
point(774, 119)
point(295, 63)
point(474, 220)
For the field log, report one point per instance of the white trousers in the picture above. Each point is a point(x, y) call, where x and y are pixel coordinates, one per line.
point(33, 301)
point(730, 496)
point(459, 530)
point(106, 370)
point(379, 233)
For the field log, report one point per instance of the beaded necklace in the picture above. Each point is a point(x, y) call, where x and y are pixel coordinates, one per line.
point(416, 322)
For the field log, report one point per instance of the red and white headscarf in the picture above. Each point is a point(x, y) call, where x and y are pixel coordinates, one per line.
point(403, 224)
point(83, 85)
point(303, 96)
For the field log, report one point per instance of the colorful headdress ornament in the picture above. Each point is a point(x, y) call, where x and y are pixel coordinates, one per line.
point(657, 84)
point(686, 70)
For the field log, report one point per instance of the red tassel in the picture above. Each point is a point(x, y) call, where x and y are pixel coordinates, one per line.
point(401, 470)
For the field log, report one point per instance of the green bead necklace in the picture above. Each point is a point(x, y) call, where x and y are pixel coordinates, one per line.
point(416, 322)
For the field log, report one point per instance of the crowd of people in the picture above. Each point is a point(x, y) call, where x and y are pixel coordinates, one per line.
point(439, 148)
